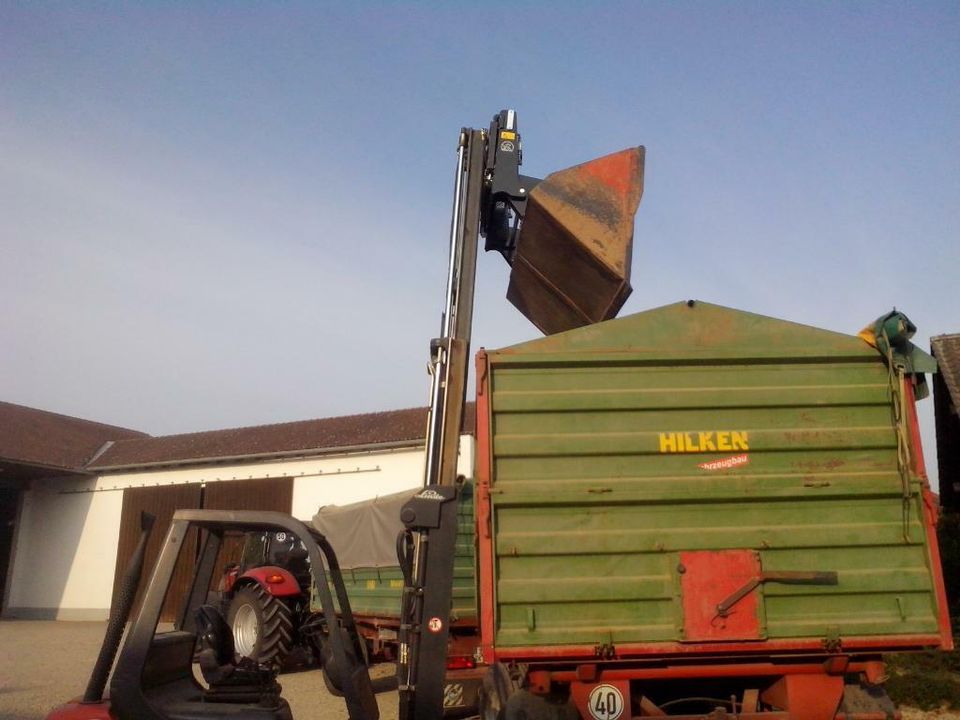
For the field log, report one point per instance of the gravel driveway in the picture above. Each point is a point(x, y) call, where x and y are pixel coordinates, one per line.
point(44, 664)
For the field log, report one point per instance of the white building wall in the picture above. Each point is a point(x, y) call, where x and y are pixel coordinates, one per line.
point(68, 531)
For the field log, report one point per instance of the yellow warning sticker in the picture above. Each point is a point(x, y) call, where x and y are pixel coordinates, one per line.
point(508, 135)
point(701, 442)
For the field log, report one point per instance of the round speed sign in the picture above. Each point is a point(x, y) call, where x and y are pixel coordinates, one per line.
point(606, 702)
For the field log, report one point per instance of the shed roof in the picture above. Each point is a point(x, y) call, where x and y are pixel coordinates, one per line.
point(946, 349)
point(946, 412)
point(392, 427)
point(41, 439)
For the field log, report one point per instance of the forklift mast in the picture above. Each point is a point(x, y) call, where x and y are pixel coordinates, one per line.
point(427, 549)
point(568, 239)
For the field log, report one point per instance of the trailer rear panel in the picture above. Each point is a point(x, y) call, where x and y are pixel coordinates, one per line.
point(695, 480)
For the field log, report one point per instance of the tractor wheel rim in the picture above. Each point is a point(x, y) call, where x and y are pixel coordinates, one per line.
point(245, 627)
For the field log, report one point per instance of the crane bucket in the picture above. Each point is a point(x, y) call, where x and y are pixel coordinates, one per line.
point(572, 262)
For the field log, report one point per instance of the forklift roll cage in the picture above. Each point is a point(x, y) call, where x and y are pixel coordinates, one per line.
point(143, 651)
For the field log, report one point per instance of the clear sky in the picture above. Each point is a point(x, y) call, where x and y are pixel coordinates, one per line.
point(223, 214)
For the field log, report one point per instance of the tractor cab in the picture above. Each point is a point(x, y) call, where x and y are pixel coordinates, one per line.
point(272, 548)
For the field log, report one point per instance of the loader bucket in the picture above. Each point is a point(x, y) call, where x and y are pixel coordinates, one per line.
point(572, 262)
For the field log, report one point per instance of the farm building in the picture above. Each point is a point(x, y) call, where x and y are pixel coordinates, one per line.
point(946, 398)
point(72, 489)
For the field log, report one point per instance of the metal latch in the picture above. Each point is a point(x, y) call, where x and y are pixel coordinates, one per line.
point(785, 577)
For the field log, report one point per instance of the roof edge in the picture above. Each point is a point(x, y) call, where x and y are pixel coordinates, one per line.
point(278, 455)
point(82, 470)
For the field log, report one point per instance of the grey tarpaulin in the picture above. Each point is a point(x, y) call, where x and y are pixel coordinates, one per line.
point(364, 534)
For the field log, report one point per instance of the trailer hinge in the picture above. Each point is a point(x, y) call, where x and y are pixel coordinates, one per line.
point(833, 642)
point(605, 651)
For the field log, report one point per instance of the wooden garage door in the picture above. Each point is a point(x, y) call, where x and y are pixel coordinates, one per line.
point(160, 501)
point(268, 494)
point(265, 494)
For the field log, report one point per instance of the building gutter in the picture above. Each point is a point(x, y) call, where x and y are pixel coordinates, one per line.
point(63, 471)
point(259, 457)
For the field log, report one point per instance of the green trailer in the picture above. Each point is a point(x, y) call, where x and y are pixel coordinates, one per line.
point(694, 493)
point(363, 534)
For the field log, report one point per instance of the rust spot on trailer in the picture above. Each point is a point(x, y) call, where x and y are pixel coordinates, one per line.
point(819, 466)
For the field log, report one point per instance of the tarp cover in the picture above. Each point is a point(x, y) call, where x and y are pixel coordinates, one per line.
point(364, 534)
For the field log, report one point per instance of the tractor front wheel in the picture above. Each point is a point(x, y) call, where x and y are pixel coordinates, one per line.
point(262, 625)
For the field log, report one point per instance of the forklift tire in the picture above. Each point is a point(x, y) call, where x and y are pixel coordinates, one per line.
point(329, 669)
point(331, 685)
point(261, 624)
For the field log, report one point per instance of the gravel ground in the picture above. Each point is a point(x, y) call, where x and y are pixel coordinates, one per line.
point(914, 714)
point(44, 664)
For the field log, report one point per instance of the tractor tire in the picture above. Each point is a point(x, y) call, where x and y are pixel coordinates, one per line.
point(262, 625)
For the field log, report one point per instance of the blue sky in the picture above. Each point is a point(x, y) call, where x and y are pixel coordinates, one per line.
point(221, 214)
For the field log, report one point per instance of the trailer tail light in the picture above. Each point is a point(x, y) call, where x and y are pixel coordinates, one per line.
point(460, 662)
point(274, 579)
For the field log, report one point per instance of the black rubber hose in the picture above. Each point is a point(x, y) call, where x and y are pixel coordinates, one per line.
point(405, 555)
point(119, 614)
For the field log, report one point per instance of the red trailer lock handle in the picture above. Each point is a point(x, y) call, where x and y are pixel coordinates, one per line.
point(785, 577)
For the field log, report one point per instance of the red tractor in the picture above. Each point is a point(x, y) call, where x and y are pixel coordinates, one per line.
point(265, 597)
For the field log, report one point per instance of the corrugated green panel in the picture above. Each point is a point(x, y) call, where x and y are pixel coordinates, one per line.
point(378, 591)
point(592, 505)
point(374, 592)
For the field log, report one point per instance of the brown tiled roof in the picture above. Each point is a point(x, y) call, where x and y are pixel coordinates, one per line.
point(306, 436)
point(946, 349)
point(39, 438)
